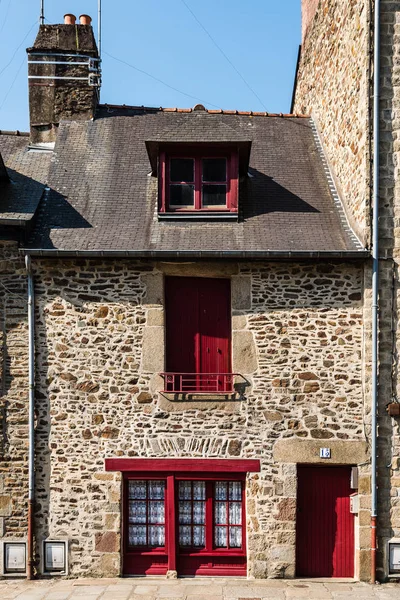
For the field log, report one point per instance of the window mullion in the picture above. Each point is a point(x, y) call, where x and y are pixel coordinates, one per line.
point(147, 513)
point(227, 517)
point(170, 525)
point(209, 520)
point(197, 185)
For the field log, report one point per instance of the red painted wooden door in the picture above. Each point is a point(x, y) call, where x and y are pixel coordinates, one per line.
point(198, 328)
point(325, 526)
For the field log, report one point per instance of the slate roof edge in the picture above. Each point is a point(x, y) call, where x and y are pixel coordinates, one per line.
point(15, 222)
point(16, 133)
point(198, 254)
point(330, 176)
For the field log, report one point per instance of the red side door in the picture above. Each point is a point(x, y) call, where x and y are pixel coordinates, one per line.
point(325, 526)
point(198, 328)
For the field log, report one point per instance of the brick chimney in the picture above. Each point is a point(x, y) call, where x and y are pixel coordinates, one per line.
point(64, 76)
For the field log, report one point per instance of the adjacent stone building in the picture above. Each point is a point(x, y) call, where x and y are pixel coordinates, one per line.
point(334, 84)
point(202, 328)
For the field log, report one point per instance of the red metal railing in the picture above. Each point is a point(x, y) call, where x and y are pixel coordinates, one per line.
point(199, 383)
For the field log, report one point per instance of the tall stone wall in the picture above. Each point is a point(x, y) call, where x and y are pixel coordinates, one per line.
point(13, 393)
point(333, 85)
point(335, 88)
point(389, 240)
point(308, 10)
point(298, 334)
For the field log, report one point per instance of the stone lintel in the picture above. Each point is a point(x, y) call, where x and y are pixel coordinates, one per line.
point(198, 269)
point(343, 452)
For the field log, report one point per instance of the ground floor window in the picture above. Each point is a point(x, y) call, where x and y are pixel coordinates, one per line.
point(146, 513)
point(201, 520)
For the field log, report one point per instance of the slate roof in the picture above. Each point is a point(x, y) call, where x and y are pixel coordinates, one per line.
point(27, 171)
point(103, 197)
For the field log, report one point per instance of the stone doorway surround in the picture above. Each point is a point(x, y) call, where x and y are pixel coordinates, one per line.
point(343, 452)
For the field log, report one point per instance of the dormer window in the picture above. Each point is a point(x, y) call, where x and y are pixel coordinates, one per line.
point(194, 181)
point(197, 183)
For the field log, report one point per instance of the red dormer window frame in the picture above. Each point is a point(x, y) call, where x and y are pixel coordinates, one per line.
point(197, 182)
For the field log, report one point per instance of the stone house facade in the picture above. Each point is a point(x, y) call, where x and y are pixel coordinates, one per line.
point(125, 454)
point(334, 84)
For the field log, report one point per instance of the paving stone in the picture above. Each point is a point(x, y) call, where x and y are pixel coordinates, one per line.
point(242, 592)
point(185, 589)
point(297, 592)
point(143, 590)
point(176, 591)
point(115, 595)
point(31, 595)
point(205, 590)
point(190, 597)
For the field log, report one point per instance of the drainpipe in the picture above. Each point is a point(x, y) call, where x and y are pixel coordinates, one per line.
point(375, 288)
point(31, 457)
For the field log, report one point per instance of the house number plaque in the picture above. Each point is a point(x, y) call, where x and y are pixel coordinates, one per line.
point(324, 452)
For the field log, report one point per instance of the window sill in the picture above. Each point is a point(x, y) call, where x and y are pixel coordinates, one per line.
point(198, 216)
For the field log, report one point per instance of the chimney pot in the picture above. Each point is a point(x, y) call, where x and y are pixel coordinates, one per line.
point(69, 19)
point(85, 20)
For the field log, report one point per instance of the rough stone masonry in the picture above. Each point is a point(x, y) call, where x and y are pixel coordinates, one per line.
point(298, 331)
point(334, 84)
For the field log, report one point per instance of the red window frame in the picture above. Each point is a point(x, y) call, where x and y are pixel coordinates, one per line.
point(228, 561)
point(147, 524)
point(167, 557)
point(196, 154)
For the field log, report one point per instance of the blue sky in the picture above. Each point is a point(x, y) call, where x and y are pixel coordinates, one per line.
point(162, 38)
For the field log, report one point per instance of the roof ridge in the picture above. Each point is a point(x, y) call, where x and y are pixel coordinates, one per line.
point(16, 132)
point(220, 111)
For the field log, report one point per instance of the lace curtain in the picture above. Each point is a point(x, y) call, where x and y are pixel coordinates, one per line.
point(147, 513)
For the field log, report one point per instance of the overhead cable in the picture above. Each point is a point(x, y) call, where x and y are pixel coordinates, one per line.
point(159, 80)
point(6, 17)
point(15, 52)
point(223, 53)
point(12, 83)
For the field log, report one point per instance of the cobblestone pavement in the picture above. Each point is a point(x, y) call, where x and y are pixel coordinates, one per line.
point(193, 589)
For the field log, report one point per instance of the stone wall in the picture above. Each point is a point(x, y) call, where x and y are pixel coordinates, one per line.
point(333, 85)
point(308, 10)
point(389, 239)
point(297, 338)
point(335, 88)
point(13, 393)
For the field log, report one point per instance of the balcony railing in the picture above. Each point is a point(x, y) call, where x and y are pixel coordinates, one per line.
point(199, 383)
